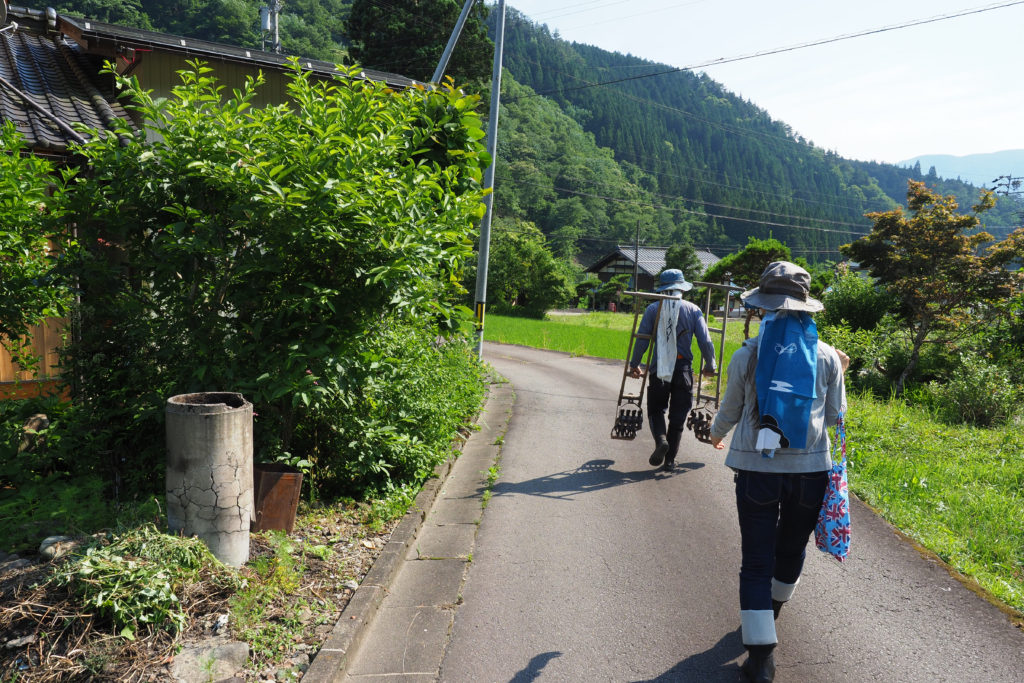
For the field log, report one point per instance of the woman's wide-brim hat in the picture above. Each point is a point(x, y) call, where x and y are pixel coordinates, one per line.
point(672, 278)
point(784, 286)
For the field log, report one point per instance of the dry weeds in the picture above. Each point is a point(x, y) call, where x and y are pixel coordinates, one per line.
point(57, 641)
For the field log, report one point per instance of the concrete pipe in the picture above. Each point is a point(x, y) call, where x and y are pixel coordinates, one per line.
point(209, 471)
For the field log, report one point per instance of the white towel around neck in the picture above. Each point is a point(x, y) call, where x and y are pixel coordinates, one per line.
point(667, 325)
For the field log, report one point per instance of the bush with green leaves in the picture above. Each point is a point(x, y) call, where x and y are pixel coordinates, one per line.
point(28, 456)
point(523, 277)
point(400, 403)
point(977, 392)
point(29, 290)
point(267, 250)
point(878, 355)
point(854, 300)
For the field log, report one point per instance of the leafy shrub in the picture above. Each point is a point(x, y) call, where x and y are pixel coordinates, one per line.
point(265, 250)
point(28, 291)
point(40, 456)
point(878, 355)
point(977, 392)
point(524, 278)
point(399, 404)
point(855, 301)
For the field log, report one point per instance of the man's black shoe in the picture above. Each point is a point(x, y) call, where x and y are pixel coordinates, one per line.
point(659, 452)
point(670, 464)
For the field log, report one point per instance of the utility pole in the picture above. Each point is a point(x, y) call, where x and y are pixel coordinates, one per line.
point(636, 259)
point(269, 24)
point(1009, 184)
point(452, 39)
point(483, 255)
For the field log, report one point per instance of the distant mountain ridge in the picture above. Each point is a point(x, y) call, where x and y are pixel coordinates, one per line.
point(980, 170)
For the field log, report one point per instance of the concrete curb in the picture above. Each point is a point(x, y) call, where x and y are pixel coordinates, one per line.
point(332, 660)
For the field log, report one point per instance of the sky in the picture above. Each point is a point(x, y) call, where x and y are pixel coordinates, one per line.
point(946, 87)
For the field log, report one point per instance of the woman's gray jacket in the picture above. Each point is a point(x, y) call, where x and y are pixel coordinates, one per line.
point(739, 409)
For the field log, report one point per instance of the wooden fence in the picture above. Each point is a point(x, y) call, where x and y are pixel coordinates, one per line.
point(46, 341)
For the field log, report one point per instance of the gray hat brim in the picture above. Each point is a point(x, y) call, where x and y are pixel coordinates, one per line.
point(780, 302)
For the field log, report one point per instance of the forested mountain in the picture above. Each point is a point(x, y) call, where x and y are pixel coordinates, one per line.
point(592, 146)
point(696, 146)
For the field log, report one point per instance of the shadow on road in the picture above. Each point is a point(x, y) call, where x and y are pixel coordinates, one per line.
point(715, 664)
point(533, 669)
point(593, 475)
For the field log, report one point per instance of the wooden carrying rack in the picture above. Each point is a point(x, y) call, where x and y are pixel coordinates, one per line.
point(629, 414)
point(706, 405)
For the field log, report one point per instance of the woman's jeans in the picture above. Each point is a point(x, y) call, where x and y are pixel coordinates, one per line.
point(777, 513)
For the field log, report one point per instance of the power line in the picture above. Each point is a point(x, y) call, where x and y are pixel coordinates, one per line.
point(725, 206)
point(782, 193)
point(692, 211)
point(771, 137)
point(799, 46)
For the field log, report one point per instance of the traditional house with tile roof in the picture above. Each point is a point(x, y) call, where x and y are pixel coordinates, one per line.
point(649, 260)
point(50, 68)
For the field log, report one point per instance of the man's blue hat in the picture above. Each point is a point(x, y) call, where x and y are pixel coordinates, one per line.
point(672, 279)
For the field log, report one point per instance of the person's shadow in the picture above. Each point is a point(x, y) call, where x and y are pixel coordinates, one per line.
point(534, 668)
point(715, 664)
point(593, 475)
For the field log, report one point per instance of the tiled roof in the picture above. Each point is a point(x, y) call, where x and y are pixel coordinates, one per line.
point(49, 72)
point(113, 38)
point(48, 83)
point(706, 258)
point(651, 260)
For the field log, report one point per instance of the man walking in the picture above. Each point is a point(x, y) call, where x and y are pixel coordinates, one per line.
point(671, 384)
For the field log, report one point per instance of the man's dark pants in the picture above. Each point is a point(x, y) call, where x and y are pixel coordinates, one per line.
point(675, 397)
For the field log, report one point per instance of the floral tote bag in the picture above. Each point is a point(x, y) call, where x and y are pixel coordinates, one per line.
point(832, 533)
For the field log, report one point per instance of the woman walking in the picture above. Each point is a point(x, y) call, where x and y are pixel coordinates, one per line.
point(785, 388)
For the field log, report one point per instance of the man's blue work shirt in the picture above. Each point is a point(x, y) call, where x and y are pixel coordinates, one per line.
point(691, 321)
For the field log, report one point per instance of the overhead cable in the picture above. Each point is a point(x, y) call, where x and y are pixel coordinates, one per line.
point(791, 48)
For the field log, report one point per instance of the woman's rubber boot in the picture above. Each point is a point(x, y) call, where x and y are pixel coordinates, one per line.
point(760, 664)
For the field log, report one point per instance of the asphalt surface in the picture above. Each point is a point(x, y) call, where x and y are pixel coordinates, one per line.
point(587, 565)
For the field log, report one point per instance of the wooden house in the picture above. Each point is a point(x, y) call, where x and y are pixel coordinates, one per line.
point(649, 261)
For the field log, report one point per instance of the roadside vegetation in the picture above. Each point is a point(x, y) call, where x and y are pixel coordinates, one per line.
point(309, 257)
point(314, 258)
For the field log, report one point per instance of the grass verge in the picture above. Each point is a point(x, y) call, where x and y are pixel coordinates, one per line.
point(956, 490)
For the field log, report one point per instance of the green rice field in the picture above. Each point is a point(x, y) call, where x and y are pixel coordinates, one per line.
point(598, 334)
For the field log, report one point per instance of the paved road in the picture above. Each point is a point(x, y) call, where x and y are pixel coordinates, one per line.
point(589, 566)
